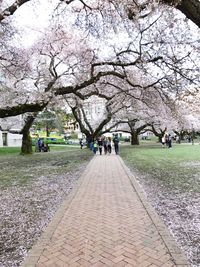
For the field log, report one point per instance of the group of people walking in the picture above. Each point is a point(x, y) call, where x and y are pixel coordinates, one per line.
point(167, 140)
point(104, 144)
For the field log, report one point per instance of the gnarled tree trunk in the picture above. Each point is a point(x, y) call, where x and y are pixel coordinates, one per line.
point(26, 147)
point(134, 138)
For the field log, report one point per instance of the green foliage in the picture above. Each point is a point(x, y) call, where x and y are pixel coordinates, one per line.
point(49, 140)
point(49, 120)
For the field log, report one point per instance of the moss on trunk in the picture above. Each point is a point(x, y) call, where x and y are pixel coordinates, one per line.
point(26, 147)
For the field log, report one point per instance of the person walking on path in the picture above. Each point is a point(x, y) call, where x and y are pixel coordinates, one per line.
point(91, 146)
point(105, 145)
point(81, 143)
point(95, 147)
point(116, 144)
point(109, 146)
point(100, 145)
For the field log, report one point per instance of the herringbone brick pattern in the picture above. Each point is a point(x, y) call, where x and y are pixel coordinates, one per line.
point(106, 225)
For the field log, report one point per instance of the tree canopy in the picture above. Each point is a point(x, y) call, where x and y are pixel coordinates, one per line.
point(140, 50)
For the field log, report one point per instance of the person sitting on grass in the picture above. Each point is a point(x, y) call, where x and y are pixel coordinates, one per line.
point(45, 147)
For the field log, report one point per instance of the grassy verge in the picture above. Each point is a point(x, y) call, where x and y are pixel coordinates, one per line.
point(174, 168)
point(17, 150)
point(9, 150)
point(18, 170)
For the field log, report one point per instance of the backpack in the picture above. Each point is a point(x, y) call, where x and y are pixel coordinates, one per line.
point(116, 140)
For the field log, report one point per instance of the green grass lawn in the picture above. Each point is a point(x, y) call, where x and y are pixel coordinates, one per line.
point(9, 150)
point(17, 150)
point(19, 170)
point(178, 167)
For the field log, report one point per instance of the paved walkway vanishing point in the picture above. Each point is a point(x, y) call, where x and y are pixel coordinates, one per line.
point(106, 221)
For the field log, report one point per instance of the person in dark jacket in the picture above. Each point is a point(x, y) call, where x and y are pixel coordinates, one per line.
point(116, 144)
point(105, 145)
point(109, 146)
point(100, 145)
point(169, 141)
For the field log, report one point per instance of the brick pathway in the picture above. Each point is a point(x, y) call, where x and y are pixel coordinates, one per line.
point(107, 222)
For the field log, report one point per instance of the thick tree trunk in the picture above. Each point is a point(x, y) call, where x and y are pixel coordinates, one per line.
point(47, 131)
point(134, 138)
point(26, 147)
point(160, 138)
point(159, 134)
point(89, 139)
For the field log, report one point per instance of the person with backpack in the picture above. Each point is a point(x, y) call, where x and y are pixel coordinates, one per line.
point(116, 144)
point(109, 146)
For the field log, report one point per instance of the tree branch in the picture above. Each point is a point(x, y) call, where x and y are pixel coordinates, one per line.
point(21, 109)
point(11, 9)
point(190, 8)
point(90, 81)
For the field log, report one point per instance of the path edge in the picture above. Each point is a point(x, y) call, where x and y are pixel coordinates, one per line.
point(176, 253)
point(33, 255)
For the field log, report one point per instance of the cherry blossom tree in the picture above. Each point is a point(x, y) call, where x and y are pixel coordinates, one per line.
point(144, 56)
point(152, 55)
point(190, 8)
point(149, 112)
point(188, 112)
point(140, 8)
point(163, 118)
point(134, 127)
point(94, 123)
point(9, 10)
